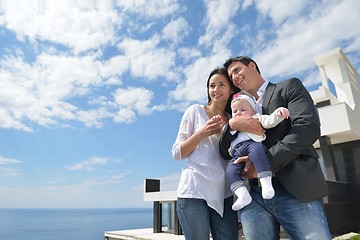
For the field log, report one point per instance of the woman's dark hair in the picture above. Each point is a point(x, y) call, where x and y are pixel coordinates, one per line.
point(222, 71)
point(243, 59)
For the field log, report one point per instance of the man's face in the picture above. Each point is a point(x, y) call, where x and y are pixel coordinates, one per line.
point(242, 75)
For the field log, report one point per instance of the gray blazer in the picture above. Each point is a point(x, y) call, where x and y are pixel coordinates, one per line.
point(290, 144)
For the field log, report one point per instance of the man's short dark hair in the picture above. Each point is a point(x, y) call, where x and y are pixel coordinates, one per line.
point(243, 59)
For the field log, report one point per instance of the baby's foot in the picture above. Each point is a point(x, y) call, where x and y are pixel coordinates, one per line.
point(267, 190)
point(243, 198)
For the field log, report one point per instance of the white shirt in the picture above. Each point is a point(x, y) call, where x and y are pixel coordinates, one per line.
point(203, 176)
point(260, 93)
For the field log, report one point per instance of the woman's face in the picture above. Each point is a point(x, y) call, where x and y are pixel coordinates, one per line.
point(219, 88)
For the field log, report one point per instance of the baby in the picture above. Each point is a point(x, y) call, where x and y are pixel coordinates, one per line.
point(248, 144)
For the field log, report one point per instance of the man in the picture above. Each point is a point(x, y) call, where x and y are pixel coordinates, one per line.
point(298, 180)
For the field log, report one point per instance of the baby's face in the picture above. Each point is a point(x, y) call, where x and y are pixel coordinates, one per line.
point(241, 107)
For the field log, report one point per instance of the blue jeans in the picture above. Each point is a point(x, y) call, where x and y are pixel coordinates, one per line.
point(261, 219)
point(197, 220)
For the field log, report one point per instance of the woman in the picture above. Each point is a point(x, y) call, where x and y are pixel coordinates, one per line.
point(204, 202)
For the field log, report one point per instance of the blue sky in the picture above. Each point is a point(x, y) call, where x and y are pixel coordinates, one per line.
point(92, 92)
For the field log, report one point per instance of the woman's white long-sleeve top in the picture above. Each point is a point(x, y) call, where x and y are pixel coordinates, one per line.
point(203, 176)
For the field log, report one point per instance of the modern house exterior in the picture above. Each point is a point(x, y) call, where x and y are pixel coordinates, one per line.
point(338, 103)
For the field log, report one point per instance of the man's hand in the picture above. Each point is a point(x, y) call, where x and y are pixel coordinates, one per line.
point(249, 169)
point(246, 124)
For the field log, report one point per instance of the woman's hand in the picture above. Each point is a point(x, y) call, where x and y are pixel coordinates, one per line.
point(249, 169)
point(213, 125)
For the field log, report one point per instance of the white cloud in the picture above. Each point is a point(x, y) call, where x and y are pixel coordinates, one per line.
point(298, 41)
point(218, 15)
point(138, 98)
point(88, 185)
point(113, 67)
point(125, 115)
point(132, 101)
point(193, 89)
point(43, 92)
point(58, 86)
point(7, 161)
point(283, 9)
point(150, 8)
point(79, 25)
point(189, 54)
point(8, 171)
point(176, 30)
point(246, 3)
point(40, 91)
point(45, 88)
point(8, 121)
point(99, 190)
point(94, 117)
point(90, 163)
point(147, 59)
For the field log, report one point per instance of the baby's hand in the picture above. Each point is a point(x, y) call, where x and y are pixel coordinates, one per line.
point(217, 118)
point(284, 112)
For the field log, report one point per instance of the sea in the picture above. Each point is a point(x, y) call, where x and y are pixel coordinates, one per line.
point(66, 224)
